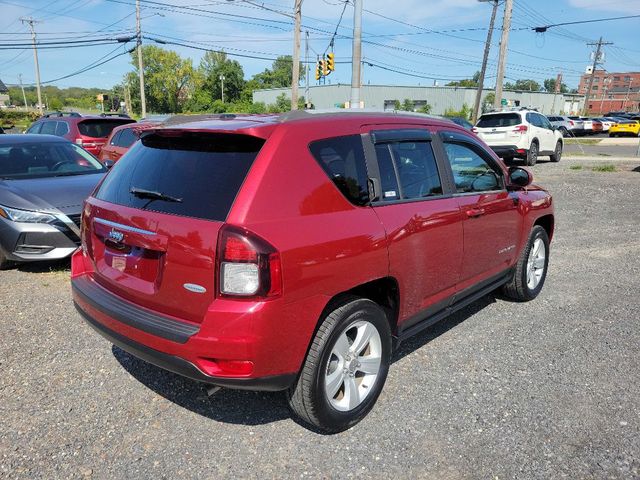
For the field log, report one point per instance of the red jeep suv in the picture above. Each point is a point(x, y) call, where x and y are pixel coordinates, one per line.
point(295, 252)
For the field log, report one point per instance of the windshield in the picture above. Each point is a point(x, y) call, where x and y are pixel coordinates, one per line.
point(46, 159)
point(100, 128)
point(499, 120)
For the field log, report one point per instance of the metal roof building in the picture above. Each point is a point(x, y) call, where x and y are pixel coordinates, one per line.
point(440, 98)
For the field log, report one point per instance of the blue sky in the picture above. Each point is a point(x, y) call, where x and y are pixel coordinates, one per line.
point(440, 40)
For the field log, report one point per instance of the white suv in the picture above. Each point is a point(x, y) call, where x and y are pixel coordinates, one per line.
point(520, 134)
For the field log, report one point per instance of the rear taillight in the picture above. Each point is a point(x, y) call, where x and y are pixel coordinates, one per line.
point(521, 129)
point(571, 123)
point(474, 130)
point(247, 265)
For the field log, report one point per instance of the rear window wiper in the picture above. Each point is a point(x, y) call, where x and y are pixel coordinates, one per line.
point(153, 195)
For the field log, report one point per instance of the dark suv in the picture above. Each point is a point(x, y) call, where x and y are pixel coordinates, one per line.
point(295, 252)
point(88, 131)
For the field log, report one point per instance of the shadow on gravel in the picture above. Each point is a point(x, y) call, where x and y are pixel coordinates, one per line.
point(45, 267)
point(637, 169)
point(258, 408)
point(423, 338)
point(229, 406)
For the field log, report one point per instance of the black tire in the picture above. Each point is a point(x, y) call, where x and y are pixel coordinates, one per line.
point(517, 288)
point(307, 397)
point(532, 154)
point(557, 153)
point(4, 263)
point(612, 135)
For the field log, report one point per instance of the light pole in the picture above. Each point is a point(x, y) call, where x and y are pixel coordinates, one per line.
point(626, 97)
point(356, 55)
point(222, 86)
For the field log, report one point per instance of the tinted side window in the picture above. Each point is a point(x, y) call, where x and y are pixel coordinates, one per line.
point(114, 140)
point(62, 129)
point(388, 175)
point(544, 122)
point(417, 169)
point(35, 128)
point(471, 172)
point(48, 128)
point(342, 159)
point(126, 138)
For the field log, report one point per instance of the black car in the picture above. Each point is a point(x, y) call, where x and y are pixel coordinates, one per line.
point(463, 122)
point(43, 182)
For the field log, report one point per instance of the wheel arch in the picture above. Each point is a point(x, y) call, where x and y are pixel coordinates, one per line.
point(548, 223)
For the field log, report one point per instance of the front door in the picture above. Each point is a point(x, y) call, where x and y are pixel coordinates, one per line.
point(491, 220)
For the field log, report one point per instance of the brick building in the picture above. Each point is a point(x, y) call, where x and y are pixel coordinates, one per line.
point(612, 91)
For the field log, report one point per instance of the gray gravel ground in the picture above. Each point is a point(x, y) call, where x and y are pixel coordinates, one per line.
point(503, 390)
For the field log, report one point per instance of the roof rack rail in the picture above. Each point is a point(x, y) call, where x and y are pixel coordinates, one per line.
point(114, 114)
point(61, 114)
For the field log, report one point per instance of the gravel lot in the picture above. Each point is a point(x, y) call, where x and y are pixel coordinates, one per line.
point(501, 390)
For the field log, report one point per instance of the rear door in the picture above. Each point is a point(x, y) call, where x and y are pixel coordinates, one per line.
point(548, 132)
point(492, 223)
point(151, 229)
point(421, 218)
point(126, 138)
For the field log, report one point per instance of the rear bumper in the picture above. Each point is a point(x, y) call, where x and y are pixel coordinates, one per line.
point(508, 151)
point(183, 367)
point(199, 352)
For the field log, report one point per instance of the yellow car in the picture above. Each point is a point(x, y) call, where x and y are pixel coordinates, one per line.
point(625, 127)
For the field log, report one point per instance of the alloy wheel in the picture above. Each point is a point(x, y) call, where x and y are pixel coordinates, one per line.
point(353, 365)
point(536, 263)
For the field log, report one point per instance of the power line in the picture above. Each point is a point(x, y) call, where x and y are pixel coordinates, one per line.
point(544, 28)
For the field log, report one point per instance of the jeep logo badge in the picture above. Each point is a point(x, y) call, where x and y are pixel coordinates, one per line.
point(116, 236)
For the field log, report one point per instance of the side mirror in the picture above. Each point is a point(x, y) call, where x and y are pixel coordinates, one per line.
point(108, 164)
point(520, 177)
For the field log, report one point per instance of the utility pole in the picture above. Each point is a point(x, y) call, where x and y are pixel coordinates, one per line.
point(31, 23)
point(307, 102)
point(596, 59)
point(222, 87)
point(502, 60)
point(143, 98)
point(356, 55)
point(295, 71)
point(24, 97)
point(483, 70)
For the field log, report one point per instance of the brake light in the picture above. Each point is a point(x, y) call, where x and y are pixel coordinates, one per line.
point(521, 129)
point(571, 123)
point(247, 266)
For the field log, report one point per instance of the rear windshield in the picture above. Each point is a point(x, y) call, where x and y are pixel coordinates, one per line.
point(499, 120)
point(194, 175)
point(99, 128)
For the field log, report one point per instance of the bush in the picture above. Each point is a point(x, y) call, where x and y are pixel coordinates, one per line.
point(465, 112)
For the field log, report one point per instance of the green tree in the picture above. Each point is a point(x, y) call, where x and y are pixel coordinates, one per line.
point(467, 82)
point(278, 76)
point(550, 86)
point(530, 85)
point(426, 108)
point(216, 64)
point(488, 101)
point(397, 106)
point(407, 105)
point(168, 80)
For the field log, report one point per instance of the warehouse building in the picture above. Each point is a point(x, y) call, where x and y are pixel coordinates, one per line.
point(439, 98)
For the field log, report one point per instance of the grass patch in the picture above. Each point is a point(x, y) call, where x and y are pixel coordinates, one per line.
point(604, 168)
point(582, 141)
point(575, 167)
